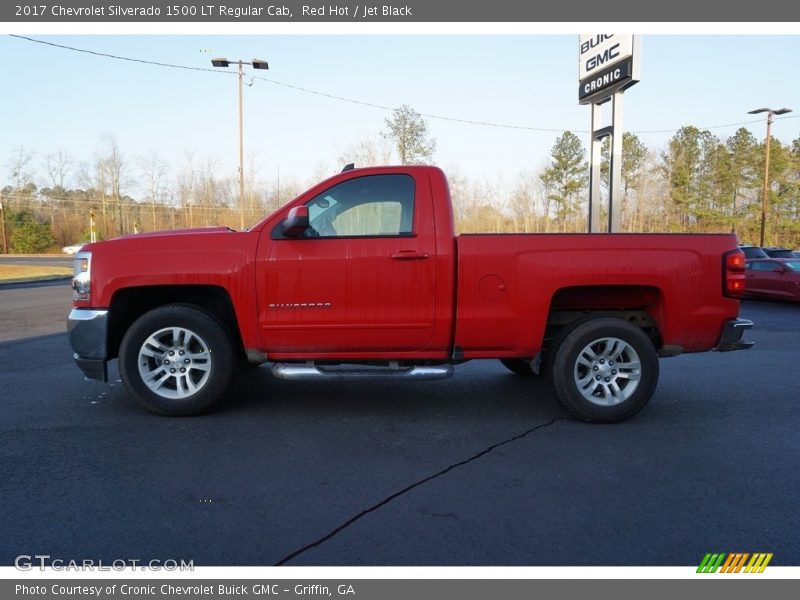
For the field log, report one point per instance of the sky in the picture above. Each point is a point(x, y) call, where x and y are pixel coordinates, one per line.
point(58, 99)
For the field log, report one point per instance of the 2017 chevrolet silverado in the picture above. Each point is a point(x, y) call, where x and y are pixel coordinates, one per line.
point(363, 276)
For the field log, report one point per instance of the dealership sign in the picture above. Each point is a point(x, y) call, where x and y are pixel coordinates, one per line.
point(607, 62)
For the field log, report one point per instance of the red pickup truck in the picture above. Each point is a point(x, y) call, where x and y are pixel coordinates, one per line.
point(363, 276)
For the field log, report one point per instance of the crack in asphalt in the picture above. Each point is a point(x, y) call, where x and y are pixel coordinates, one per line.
point(407, 489)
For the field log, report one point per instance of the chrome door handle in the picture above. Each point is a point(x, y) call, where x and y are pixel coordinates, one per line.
point(409, 255)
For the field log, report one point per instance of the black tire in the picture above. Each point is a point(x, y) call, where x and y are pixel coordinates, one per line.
point(519, 366)
point(604, 370)
point(200, 345)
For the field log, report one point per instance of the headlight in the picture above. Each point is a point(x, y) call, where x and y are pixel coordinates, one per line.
point(81, 276)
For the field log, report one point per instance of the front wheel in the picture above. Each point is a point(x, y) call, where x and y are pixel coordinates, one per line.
point(176, 360)
point(604, 370)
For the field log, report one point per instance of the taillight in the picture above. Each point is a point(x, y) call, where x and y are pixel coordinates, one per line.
point(733, 276)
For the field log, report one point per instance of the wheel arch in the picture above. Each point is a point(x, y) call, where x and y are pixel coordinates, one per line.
point(129, 304)
point(640, 305)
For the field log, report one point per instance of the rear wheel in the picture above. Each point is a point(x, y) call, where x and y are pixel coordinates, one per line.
point(176, 360)
point(604, 370)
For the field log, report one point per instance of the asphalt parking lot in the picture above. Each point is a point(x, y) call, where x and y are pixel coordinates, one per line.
point(481, 469)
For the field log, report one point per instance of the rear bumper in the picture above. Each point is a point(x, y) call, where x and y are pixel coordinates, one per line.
point(732, 336)
point(88, 332)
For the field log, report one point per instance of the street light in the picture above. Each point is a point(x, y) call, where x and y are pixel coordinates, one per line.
point(256, 64)
point(770, 114)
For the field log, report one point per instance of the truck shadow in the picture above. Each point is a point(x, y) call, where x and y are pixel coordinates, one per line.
point(482, 389)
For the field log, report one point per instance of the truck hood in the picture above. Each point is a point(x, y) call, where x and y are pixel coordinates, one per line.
point(199, 239)
point(177, 232)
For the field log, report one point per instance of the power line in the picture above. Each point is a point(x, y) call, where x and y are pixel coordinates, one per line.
point(712, 126)
point(361, 102)
point(115, 57)
point(391, 109)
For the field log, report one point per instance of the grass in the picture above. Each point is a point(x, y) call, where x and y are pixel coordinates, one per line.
point(12, 273)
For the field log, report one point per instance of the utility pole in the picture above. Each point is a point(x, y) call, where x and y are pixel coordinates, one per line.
point(770, 117)
point(765, 196)
point(3, 226)
point(119, 210)
point(256, 64)
point(241, 149)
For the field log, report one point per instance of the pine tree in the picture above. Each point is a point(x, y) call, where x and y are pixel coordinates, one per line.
point(567, 177)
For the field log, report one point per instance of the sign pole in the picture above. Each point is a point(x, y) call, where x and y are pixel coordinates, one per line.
point(615, 185)
point(594, 171)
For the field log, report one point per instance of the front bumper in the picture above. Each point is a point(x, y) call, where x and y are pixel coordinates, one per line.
point(88, 335)
point(732, 336)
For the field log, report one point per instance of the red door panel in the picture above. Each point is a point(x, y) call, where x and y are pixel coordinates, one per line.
point(340, 293)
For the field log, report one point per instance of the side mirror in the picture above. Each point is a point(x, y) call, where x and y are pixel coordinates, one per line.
point(296, 223)
point(780, 270)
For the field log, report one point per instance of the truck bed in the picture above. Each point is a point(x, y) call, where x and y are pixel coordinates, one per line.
point(508, 284)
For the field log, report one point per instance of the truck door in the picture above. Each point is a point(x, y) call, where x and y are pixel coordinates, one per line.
point(361, 279)
point(763, 278)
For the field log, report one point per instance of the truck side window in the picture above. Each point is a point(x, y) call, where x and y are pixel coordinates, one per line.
point(375, 205)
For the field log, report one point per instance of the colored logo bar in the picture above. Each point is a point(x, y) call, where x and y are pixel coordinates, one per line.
point(735, 562)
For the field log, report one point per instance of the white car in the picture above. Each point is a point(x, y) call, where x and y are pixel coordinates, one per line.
point(73, 248)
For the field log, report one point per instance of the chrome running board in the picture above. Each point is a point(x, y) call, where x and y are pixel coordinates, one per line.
point(312, 372)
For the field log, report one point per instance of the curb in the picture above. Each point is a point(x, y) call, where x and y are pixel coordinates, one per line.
point(35, 282)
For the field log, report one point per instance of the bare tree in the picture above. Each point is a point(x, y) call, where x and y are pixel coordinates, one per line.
point(186, 187)
point(464, 204)
point(154, 180)
point(369, 152)
point(20, 167)
point(109, 179)
point(523, 201)
point(58, 165)
point(208, 184)
point(114, 165)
